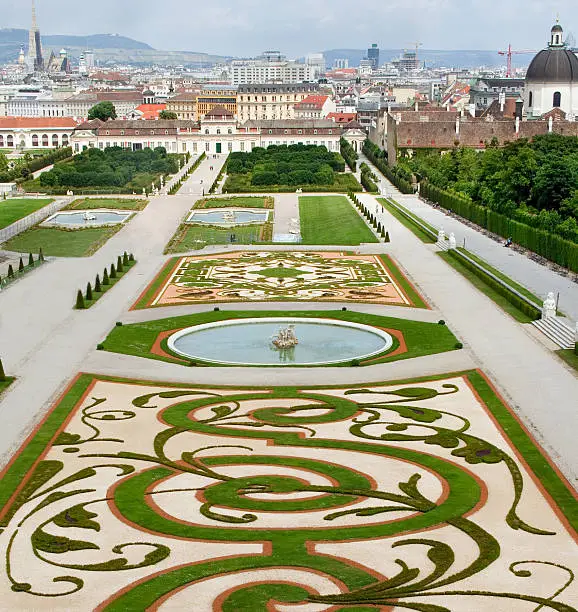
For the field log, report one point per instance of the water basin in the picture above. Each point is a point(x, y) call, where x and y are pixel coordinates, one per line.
point(228, 216)
point(249, 342)
point(87, 218)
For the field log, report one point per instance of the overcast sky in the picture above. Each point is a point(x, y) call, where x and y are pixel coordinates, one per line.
point(247, 27)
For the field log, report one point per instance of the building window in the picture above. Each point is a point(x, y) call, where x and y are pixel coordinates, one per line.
point(206, 131)
point(300, 131)
point(64, 139)
point(45, 140)
point(207, 146)
point(530, 99)
point(54, 140)
point(315, 131)
point(137, 132)
point(218, 131)
point(166, 131)
point(34, 140)
point(557, 99)
point(230, 146)
point(229, 131)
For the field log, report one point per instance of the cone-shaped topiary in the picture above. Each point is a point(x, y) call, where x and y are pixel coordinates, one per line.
point(387, 238)
point(88, 291)
point(105, 280)
point(40, 255)
point(79, 301)
point(10, 271)
point(21, 265)
point(119, 264)
point(125, 259)
point(2, 373)
point(97, 287)
point(131, 257)
point(30, 260)
point(112, 271)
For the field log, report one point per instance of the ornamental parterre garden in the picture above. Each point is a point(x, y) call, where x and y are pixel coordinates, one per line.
point(401, 481)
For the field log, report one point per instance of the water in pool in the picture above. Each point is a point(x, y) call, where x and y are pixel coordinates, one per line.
point(250, 343)
point(228, 217)
point(83, 218)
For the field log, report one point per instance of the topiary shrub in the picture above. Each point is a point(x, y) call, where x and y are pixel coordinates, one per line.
point(88, 292)
point(387, 238)
point(216, 309)
point(354, 363)
point(30, 260)
point(21, 265)
point(441, 322)
point(119, 323)
point(80, 301)
point(125, 259)
point(112, 271)
point(97, 287)
point(105, 280)
point(2, 373)
point(40, 255)
point(10, 271)
point(119, 267)
point(131, 257)
point(100, 347)
point(458, 345)
point(344, 309)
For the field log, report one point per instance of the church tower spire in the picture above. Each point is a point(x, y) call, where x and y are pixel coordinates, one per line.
point(35, 61)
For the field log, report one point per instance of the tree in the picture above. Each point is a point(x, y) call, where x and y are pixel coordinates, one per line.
point(2, 374)
point(88, 292)
point(79, 301)
point(165, 114)
point(103, 111)
point(97, 287)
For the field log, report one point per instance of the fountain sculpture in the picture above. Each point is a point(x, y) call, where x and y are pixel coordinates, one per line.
point(229, 216)
point(285, 338)
point(89, 216)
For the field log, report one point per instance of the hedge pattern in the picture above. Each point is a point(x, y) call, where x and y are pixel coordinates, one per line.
point(397, 175)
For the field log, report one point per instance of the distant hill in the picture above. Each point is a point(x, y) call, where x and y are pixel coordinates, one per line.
point(433, 58)
point(107, 47)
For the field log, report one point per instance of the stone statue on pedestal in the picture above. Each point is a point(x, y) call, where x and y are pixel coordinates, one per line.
point(549, 306)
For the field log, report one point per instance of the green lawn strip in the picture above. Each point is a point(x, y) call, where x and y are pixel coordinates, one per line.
point(191, 237)
point(534, 456)
point(405, 221)
point(496, 297)
point(569, 356)
point(59, 242)
point(15, 209)
point(235, 201)
point(112, 203)
point(96, 295)
point(137, 339)
point(23, 462)
point(332, 220)
point(151, 291)
point(4, 384)
point(400, 279)
point(513, 284)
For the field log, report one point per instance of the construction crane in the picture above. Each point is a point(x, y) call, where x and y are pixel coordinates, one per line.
point(509, 53)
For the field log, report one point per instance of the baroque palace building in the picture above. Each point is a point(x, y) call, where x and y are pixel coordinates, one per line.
point(218, 132)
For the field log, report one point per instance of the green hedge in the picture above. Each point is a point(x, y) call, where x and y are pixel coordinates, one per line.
point(22, 171)
point(378, 158)
point(348, 154)
point(533, 312)
point(546, 244)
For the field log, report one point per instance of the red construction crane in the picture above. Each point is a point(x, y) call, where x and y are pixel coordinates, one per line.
point(509, 54)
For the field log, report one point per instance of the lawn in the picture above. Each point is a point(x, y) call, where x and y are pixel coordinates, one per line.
point(61, 242)
point(332, 220)
point(193, 237)
point(421, 338)
point(407, 220)
point(236, 201)
point(112, 203)
point(14, 210)
point(570, 357)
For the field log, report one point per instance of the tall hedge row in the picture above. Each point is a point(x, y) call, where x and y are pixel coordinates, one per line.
point(349, 155)
point(377, 157)
point(546, 244)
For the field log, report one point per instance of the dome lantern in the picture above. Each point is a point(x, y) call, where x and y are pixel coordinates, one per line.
point(556, 38)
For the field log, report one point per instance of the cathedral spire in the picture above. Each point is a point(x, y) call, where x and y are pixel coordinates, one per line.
point(35, 61)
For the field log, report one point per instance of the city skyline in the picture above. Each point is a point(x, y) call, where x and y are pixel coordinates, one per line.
point(250, 27)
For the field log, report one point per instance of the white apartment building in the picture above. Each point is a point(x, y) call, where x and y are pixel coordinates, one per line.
point(271, 101)
point(272, 67)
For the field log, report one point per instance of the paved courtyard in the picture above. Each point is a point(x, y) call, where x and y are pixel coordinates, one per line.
point(439, 482)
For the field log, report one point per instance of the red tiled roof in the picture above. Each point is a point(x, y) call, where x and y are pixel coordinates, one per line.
point(37, 122)
point(312, 101)
point(342, 117)
point(151, 111)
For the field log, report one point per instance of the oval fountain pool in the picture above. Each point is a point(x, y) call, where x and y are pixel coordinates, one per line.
point(84, 218)
point(251, 342)
point(228, 216)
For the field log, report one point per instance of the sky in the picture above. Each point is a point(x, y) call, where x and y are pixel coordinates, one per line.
point(296, 27)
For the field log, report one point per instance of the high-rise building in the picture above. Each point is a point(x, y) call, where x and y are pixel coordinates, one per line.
point(35, 61)
point(373, 56)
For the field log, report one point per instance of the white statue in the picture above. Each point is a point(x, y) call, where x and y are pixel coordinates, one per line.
point(285, 338)
point(441, 236)
point(144, 191)
point(549, 306)
point(452, 241)
point(89, 216)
